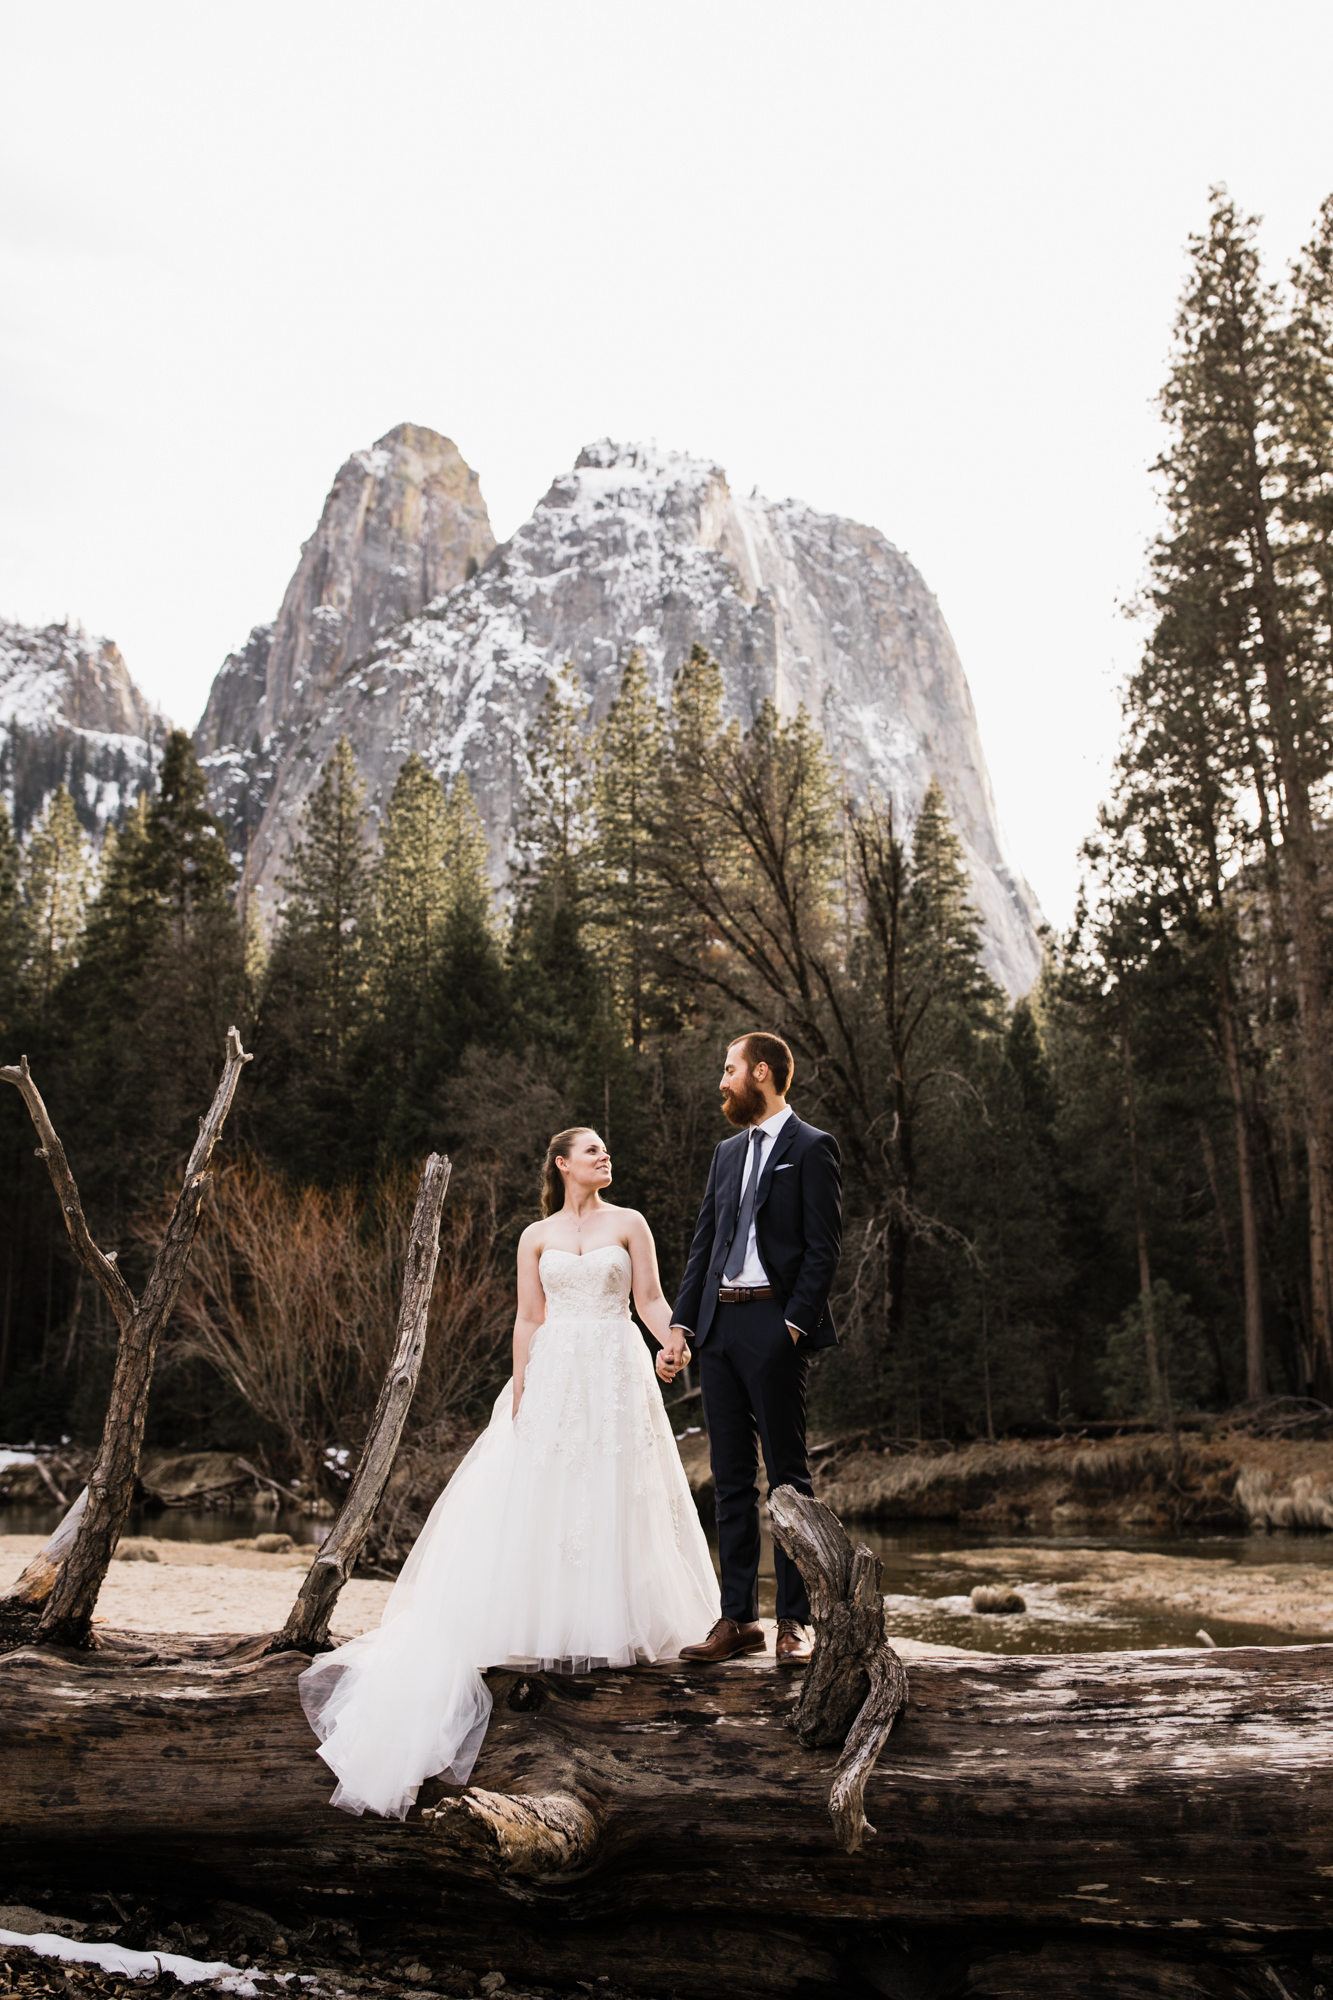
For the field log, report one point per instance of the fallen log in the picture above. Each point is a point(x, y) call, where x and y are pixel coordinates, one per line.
point(1173, 1789)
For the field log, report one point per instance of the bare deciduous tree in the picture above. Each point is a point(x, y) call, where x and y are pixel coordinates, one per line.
point(293, 1297)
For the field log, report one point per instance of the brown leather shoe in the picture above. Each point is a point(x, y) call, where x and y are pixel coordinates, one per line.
point(793, 1648)
point(726, 1639)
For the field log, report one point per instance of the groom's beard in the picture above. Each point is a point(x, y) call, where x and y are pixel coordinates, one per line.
point(743, 1104)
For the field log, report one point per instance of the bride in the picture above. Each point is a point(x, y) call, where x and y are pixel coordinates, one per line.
point(567, 1538)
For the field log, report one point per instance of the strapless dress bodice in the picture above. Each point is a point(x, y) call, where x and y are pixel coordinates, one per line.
point(594, 1285)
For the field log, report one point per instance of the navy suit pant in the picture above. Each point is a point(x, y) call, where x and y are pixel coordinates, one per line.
point(752, 1374)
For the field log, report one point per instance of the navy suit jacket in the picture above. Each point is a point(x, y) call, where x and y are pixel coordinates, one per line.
point(797, 1228)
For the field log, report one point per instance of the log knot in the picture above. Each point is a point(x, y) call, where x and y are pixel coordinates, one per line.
point(533, 1838)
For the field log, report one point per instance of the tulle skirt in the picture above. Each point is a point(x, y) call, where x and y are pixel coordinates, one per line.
point(567, 1540)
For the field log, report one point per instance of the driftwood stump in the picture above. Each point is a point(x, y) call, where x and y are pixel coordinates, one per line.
point(54, 1597)
point(307, 1627)
point(855, 1686)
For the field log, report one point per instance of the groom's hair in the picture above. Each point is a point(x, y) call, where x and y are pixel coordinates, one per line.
point(770, 1049)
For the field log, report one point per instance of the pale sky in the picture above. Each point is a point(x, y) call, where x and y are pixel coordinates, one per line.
point(916, 265)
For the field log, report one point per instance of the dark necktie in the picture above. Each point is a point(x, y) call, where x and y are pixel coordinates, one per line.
point(746, 1215)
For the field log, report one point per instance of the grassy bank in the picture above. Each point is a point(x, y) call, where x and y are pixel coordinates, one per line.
point(1143, 1484)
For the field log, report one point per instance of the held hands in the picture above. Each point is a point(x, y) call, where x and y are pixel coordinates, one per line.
point(674, 1356)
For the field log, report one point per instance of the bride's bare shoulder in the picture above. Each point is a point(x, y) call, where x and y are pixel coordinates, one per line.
point(535, 1236)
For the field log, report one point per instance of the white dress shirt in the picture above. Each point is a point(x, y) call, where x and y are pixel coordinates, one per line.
point(752, 1271)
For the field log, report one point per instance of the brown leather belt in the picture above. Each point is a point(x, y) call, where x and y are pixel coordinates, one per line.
point(741, 1295)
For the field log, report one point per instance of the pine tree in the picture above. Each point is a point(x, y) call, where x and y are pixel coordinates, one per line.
point(1305, 431)
point(1221, 564)
point(10, 920)
point(627, 754)
point(1025, 1051)
point(431, 929)
point(467, 856)
point(184, 860)
point(328, 895)
point(125, 922)
point(555, 825)
point(1180, 833)
point(554, 972)
point(924, 937)
point(58, 877)
point(748, 851)
point(432, 859)
point(941, 925)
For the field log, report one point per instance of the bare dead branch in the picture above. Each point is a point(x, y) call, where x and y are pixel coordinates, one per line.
point(103, 1268)
point(307, 1628)
point(67, 1575)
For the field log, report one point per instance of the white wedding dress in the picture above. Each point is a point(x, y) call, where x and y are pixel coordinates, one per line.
point(567, 1540)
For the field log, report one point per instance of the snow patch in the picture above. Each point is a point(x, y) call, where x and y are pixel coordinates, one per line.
point(141, 1964)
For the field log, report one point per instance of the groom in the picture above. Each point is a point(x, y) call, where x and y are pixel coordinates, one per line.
point(754, 1301)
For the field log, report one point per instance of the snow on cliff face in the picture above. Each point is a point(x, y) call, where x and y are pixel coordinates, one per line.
point(70, 714)
point(637, 547)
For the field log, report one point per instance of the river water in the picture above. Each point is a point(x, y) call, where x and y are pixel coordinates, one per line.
point(929, 1590)
point(927, 1584)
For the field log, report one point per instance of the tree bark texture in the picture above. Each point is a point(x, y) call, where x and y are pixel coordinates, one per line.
point(54, 1597)
point(307, 1627)
point(1301, 870)
point(1184, 1791)
point(855, 1686)
point(1156, 1381)
point(1256, 1360)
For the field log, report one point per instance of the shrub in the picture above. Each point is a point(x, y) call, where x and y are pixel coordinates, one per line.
point(293, 1292)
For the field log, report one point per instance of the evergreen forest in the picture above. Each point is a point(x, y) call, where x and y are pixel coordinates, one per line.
point(1111, 1199)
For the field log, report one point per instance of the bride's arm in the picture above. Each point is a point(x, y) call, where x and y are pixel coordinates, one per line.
point(650, 1302)
point(531, 1307)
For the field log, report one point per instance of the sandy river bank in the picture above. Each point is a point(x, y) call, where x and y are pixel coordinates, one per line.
point(206, 1588)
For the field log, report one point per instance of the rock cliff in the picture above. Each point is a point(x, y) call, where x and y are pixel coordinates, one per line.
point(70, 714)
point(403, 524)
point(633, 547)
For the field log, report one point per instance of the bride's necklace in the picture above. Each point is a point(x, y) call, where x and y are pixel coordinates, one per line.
point(578, 1227)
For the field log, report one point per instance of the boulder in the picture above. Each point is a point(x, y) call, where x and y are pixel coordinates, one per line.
point(997, 1600)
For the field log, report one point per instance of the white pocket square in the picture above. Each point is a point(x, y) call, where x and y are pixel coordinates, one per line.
point(783, 1168)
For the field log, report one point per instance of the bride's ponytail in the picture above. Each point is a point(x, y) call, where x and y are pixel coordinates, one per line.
point(553, 1188)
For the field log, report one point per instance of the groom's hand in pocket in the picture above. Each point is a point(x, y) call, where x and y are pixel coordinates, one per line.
point(795, 1333)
